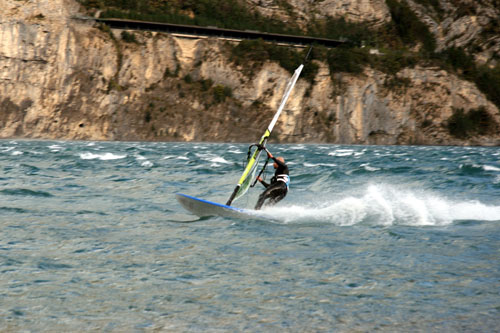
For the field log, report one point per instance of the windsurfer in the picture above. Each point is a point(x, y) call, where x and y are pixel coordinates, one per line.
point(278, 188)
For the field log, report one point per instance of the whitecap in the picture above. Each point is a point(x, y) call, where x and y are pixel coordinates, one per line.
point(17, 152)
point(367, 167)
point(168, 157)
point(102, 157)
point(341, 152)
point(490, 168)
point(147, 164)
point(219, 160)
point(312, 165)
point(55, 147)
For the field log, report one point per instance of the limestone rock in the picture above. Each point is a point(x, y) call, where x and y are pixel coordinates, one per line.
point(64, 77)
point(300, 11)
point(464, 23)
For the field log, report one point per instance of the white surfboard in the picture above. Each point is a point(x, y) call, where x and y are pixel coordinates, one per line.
point(203, 208)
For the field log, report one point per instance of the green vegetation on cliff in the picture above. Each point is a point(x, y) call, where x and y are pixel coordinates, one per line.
point(409, 28)
point(463, 124)
point(404, 42)
point(230, 14)
point(256, 52)
point(487, 79)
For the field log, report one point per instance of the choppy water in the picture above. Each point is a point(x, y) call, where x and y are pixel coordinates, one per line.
point(369, 238)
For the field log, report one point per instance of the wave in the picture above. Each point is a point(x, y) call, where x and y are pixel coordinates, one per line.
point(144, 161)
point(13, 210)
point(25, 192)
point(472, 169)
point(55, 148)
point(313, 165)
point(385, 205)
point(214, 159)
point(345, 153)
point(102, 157)
point(490, 168)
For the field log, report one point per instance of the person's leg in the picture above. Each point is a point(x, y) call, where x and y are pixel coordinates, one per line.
point(277, 194)
point(274, 193)
point(262, 198)
point(277, 197)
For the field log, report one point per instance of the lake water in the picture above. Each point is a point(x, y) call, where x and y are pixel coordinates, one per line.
point(369, 238)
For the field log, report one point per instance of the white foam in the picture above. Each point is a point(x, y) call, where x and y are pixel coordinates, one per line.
point(312, 165)
point(17, 152)
point(341, 152)
point(55, 148)
point(386, 205)
point(475, 210)
point(168, 157)
point(219, 160)
point(490, 168)
point(298, 147)
point(214, 159)
point(367, 167)
point(102, 157)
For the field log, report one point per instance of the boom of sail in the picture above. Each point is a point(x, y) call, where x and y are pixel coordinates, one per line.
point(253, 158)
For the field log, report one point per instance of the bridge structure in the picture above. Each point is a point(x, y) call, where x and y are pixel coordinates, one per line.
point(193, 31)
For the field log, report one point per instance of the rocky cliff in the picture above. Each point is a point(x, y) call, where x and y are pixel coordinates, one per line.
point(64, 77)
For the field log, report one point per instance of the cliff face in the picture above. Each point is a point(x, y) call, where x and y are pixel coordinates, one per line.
point(374, 11)
point(52, 72)
point(464, 23)
point(62, 77)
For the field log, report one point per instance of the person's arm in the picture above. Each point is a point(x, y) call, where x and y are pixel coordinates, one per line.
point(262, 182)
point(281, 164)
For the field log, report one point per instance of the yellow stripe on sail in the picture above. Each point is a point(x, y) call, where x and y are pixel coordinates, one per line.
point(253, 159)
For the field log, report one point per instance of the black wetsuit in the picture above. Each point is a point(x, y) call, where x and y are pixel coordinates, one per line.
point(278, 188)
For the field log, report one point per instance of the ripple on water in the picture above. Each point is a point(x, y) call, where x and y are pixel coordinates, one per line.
point(25, 192)
point(367, 239)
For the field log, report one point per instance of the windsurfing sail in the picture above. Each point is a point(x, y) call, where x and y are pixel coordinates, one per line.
point(253, 159)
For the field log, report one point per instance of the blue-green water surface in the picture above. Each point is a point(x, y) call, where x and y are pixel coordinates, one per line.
point(369, 238)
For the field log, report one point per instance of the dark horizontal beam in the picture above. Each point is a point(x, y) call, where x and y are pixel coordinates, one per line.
point(217, 32)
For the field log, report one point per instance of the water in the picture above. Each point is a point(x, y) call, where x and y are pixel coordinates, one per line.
point(369, 238)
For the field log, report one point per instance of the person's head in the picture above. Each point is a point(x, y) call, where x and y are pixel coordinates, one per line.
point(281, 159)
